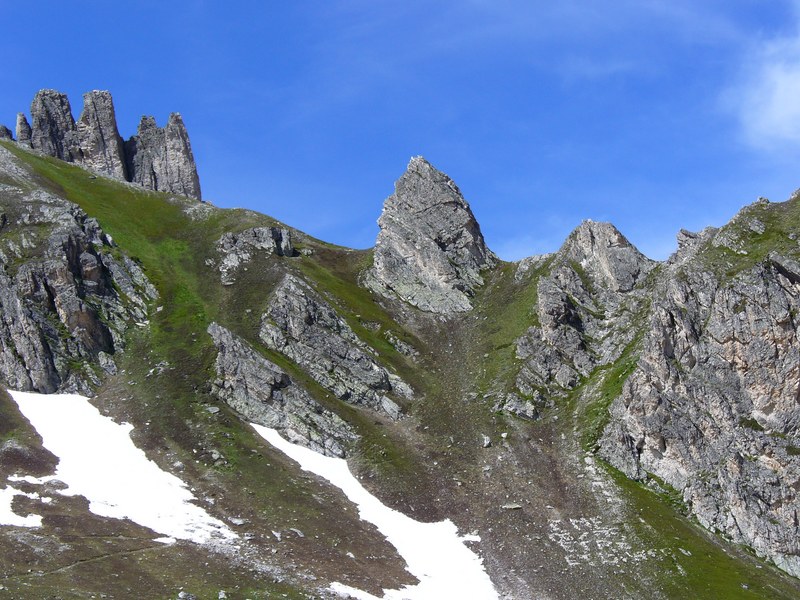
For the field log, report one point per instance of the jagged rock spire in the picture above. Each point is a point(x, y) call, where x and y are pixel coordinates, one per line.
point(23, 130)
point(52, 125)
point(604, 252)
point(430, 251)
point(101, 146)
point(161, 158)
point(157, 159)
point(5, 133)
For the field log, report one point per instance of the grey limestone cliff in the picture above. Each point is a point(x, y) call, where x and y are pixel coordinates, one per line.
point(264, 394)
point(430, 251)
point(587, 296)
point(305, 328)
point(53, 127)
point(161, 158)
point(101, 148)
point(5, 133)
point(65, 298)
point(711, 407)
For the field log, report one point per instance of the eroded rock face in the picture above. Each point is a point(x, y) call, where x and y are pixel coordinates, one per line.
point(586, 299)
point(101, 148)
point(712, 405)
point(305, 328)
point(161, 159)
point(238, 249)
point(59, 302)
point(264, 394)
point(5, 133)
point(53, 127)
point(430, 251)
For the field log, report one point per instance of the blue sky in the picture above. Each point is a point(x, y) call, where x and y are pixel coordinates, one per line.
point(654, 115)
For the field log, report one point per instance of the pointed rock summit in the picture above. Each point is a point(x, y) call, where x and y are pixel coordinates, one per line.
point(430, 251)
point(162, 159)
point(156, 158)
point(600, 249)
point(23, 130)
point(52, 125)
point(100, 143)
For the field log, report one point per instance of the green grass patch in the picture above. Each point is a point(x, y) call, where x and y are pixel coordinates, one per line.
point(697, 563)
point(780, 220)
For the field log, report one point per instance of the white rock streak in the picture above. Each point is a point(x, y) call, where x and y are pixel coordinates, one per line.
point(434, 552)
point(98, 460)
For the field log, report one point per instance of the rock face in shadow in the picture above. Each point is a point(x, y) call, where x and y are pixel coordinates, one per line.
point(161, 158)
point(306, 329)
point(23, 130)
point(264, 394)
point(156, 158)
point(5, 133)
point(430, 251)
point(66, 300)
point(53, 127)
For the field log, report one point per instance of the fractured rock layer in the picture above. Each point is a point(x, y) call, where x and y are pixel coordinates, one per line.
point(430, 251)
point(305, 328)
point(264, 394)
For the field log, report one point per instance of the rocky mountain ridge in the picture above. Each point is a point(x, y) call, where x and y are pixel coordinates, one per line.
point(457, 385)
point(155, 158)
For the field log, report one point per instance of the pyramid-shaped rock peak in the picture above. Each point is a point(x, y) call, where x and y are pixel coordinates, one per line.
point(607, 255)
point(430, 251)
point(157, 159)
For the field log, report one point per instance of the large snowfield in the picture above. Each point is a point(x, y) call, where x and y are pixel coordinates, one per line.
point(98, 460)
point(434, 552)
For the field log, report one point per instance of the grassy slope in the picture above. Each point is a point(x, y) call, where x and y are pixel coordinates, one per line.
point(172, 249)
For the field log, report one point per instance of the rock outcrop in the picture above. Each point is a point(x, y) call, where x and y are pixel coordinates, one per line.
point(23, 130)
point(5, 133)
point(161, 158)
point(306, 329)
point(711, 407)
point(587, 297)
point(65, 298)
point(53, 127)
point(238, 249)
point(430, 251)
point(101, 148)
point(156, 158)
point(264, 394)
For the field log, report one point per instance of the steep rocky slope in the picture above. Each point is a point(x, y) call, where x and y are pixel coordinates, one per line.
point(457, 385)
point(711, 407)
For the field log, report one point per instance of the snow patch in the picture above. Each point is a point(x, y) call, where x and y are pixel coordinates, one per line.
point(434, 552)
point(9, 517)
point(98, 460)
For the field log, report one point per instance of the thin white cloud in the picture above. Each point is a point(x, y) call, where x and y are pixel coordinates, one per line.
point(765, 97)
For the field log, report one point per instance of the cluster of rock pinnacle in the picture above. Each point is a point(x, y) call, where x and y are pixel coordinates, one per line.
point(157, 158)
